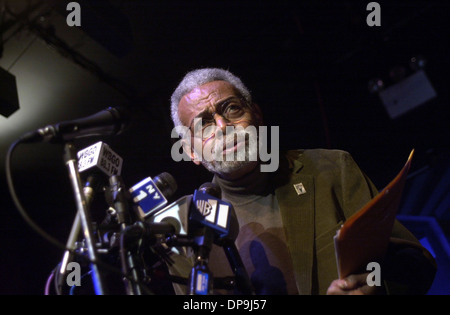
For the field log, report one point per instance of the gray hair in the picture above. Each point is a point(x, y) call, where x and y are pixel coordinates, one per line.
point(199, 77)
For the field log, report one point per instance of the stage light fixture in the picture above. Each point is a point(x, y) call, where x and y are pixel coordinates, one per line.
point(9, 98)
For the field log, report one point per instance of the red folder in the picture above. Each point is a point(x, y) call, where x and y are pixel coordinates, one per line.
point(364, 237)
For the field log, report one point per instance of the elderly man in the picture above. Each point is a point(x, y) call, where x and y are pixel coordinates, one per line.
point(287, 217)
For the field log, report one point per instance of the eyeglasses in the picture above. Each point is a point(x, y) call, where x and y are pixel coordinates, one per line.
point(232, 109)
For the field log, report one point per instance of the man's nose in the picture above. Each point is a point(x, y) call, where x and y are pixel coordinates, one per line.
point(221, 122)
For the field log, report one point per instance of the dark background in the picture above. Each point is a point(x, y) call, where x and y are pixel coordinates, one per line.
point(307, 63)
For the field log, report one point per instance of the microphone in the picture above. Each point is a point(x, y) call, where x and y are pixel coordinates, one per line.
point(207, 219)
point(209, 210)
point(175, 214)
point(149, 194)
point(203, 208)
point(99, 160)
point(212, 189)
point(97, 164)
point(199, 220)
point(111, 121)
point(220, 216)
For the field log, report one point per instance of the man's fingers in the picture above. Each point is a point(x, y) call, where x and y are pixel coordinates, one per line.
point(355, 281)
point(337, 287)
point(353, 284)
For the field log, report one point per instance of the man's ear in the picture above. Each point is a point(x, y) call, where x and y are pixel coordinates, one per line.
point(189, 150)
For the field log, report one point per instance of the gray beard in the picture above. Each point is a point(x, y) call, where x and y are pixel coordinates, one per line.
point(229, 163)
point(222, 168)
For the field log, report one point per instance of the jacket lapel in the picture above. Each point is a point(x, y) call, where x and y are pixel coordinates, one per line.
point(297, 212)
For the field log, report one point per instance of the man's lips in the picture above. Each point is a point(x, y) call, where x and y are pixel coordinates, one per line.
point(232, 148)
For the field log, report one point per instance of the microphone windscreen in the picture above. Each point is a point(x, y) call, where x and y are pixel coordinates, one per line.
point(166, 184)
point(150, 194)
point(122, 117)
point(211, 189)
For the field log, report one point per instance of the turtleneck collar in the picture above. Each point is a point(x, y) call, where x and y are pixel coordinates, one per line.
point(245, 189)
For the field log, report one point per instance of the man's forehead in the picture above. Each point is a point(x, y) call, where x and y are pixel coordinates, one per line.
point(209, 92)
point(201, 97)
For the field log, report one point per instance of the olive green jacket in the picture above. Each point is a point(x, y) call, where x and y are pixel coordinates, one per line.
point(331, 187)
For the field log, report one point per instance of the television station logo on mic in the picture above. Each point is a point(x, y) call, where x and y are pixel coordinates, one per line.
point(212, 212)
point(147, 197)
point(100, 155)
point(206, 207)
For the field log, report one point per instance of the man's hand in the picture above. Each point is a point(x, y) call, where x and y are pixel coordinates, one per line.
point(352, 285)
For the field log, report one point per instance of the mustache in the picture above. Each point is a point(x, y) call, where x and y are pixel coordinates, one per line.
point(229, 140)
point(232, 144)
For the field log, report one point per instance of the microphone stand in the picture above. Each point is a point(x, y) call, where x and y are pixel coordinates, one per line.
point(201, 278)
point(243, 282)
point(71, 161)
point(88, 191)
point(129, 235)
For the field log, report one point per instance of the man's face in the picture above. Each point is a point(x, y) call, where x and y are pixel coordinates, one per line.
point(219, 105)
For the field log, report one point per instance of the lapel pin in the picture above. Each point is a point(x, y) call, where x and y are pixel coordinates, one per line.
point(300, 189)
